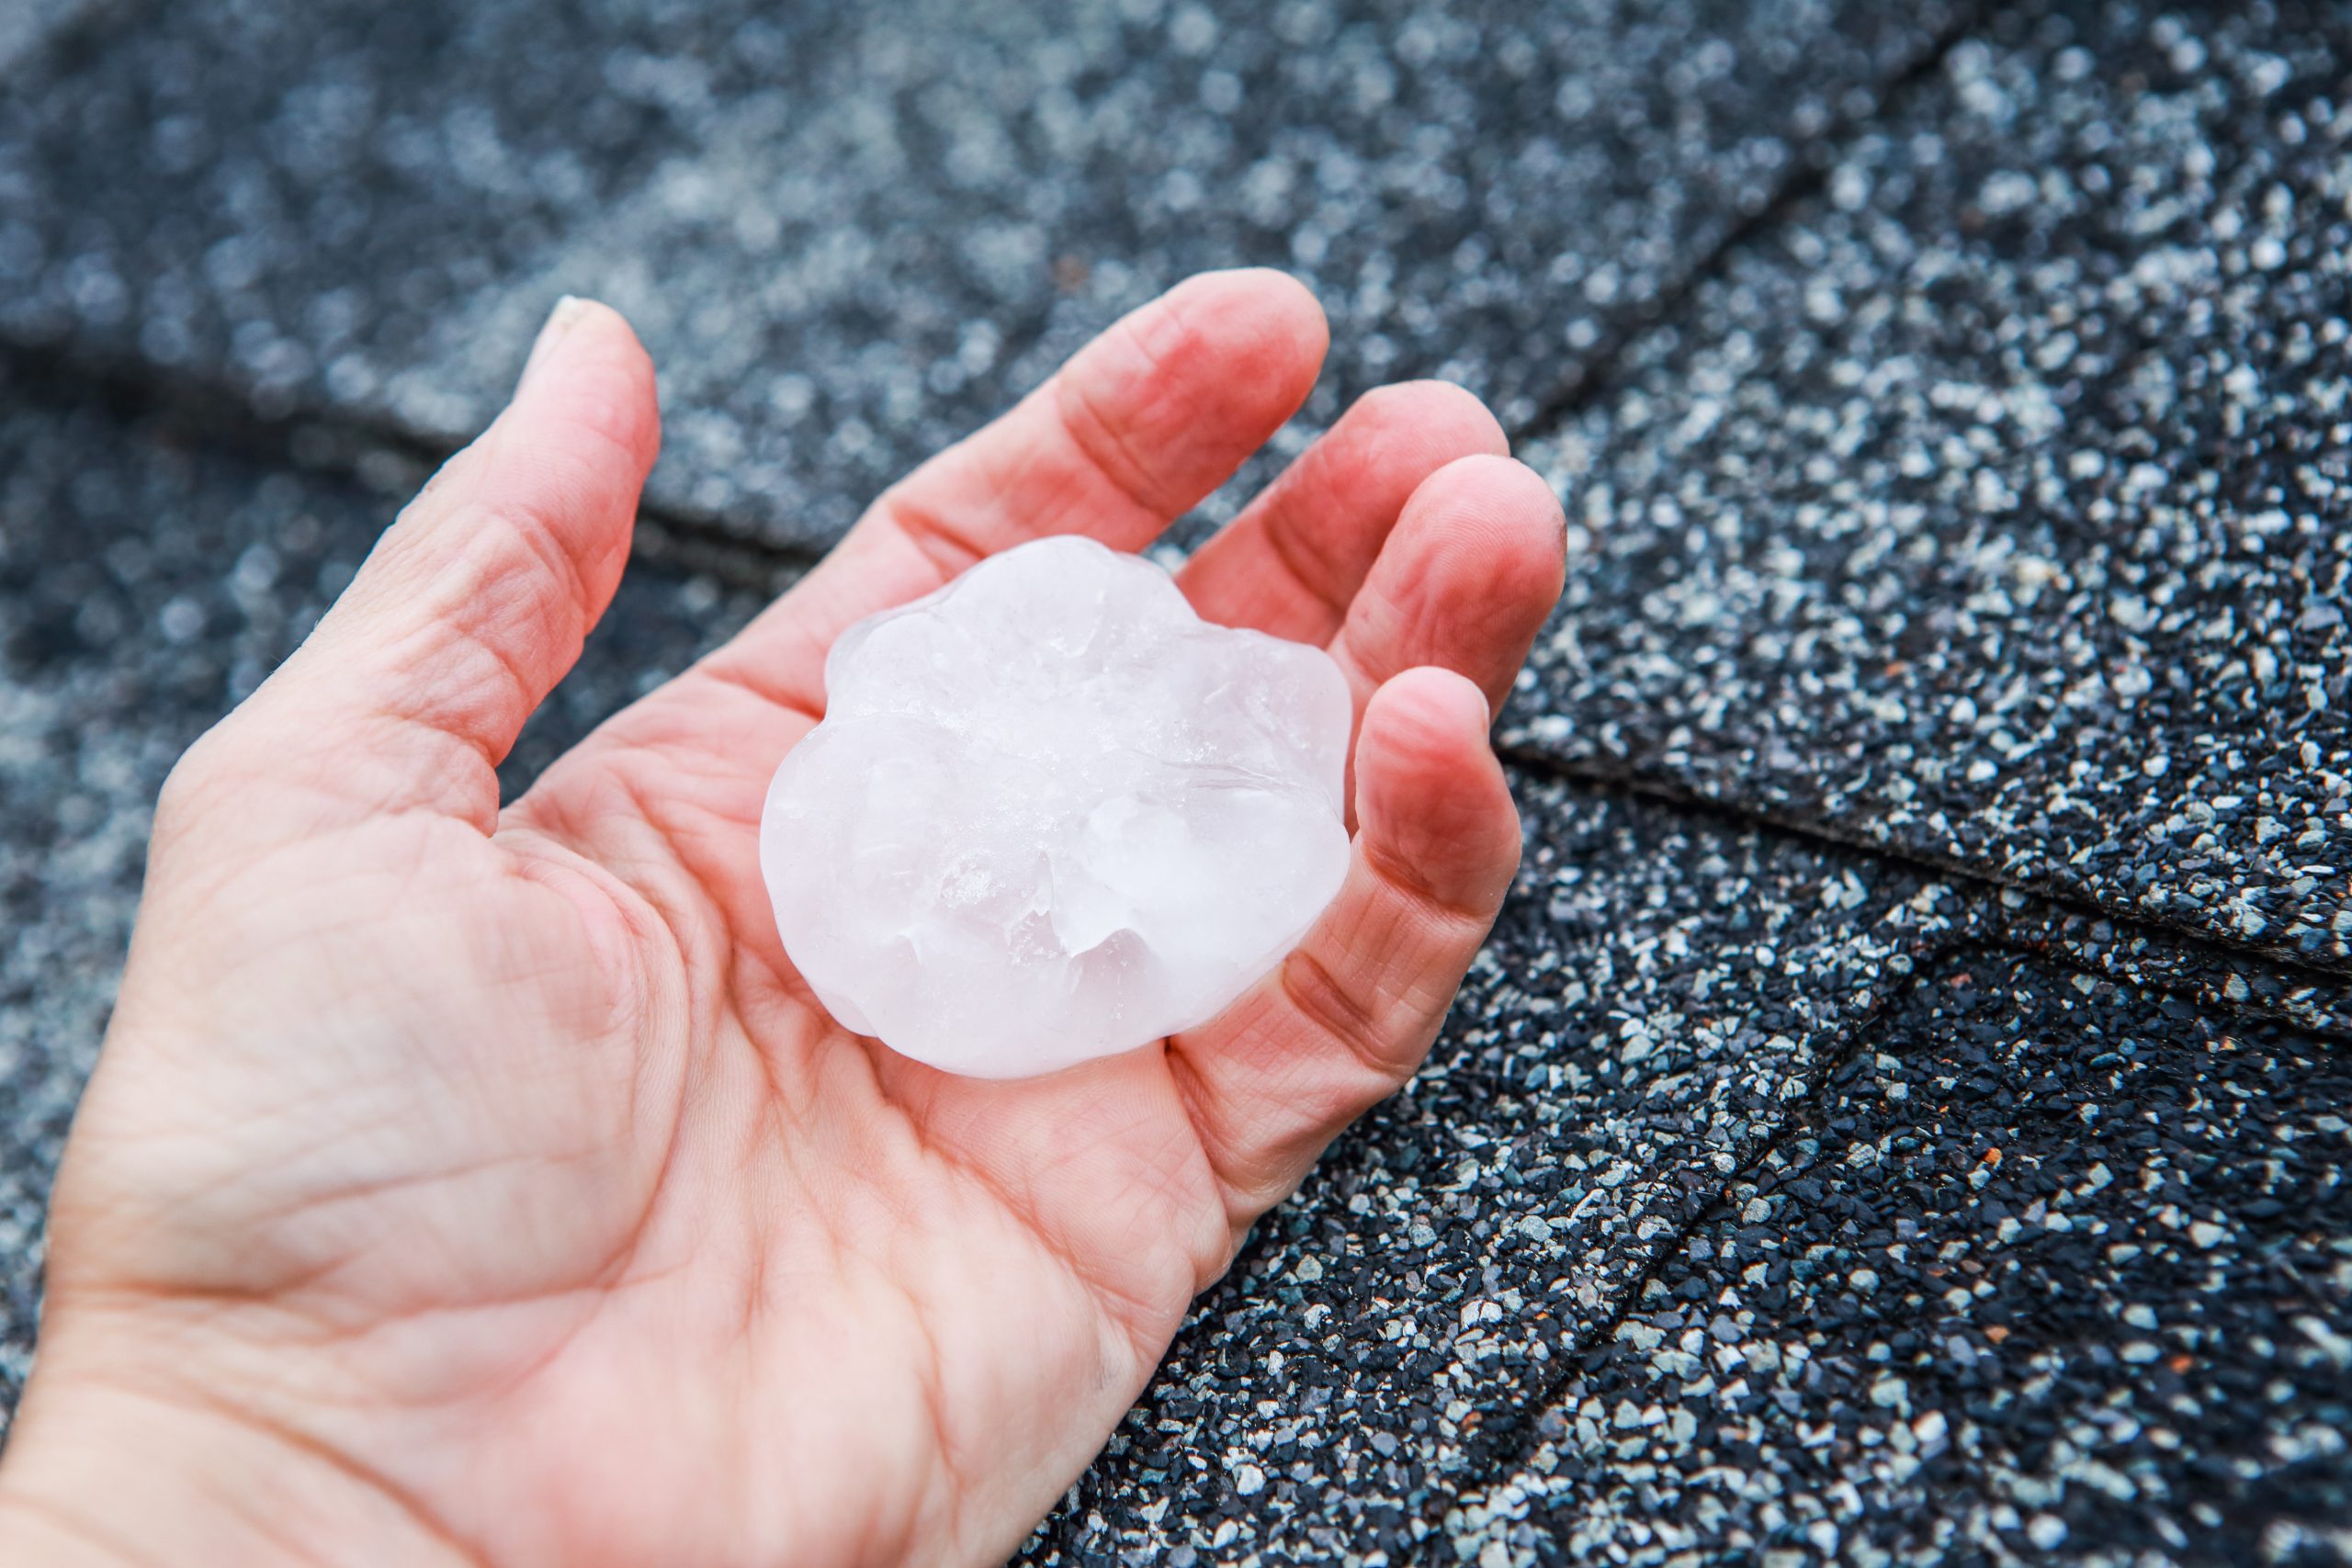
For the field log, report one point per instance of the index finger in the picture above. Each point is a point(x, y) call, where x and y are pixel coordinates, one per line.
point(1130, 433)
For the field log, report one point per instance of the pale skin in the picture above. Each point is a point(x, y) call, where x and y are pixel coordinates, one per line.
point(468, 1185)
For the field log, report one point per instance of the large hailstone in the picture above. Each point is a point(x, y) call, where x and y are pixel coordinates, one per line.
point(1051, 813)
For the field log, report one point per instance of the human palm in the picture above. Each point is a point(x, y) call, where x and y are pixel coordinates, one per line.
point(480, 1185)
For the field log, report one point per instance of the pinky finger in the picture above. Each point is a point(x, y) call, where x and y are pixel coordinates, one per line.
point(1350, 1014)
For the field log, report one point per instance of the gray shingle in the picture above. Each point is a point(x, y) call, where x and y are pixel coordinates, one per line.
point(1992, 508)
point(2054, 1263)
point(851, 237)
point(29, 26)
point(1668, 999)
point(1967, 459)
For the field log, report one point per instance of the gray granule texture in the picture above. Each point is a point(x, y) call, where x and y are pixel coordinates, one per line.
point(29, 27)
point(1669, 1002)
point(284, 197)
point(1993, 507)
point(1661, 1009)
point(2053, 1263)
point(1648, 1011)
point(1942, 749)
point(850, 236)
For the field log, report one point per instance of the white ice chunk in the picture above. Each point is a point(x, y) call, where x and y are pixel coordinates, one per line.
point(1051, 813)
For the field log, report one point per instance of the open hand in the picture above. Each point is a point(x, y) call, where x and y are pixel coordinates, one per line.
point(469, 1185)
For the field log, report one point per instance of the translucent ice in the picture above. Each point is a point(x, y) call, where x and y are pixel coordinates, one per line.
point(1051, 813)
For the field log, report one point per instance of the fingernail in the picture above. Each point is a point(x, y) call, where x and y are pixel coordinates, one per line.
point(560, 320)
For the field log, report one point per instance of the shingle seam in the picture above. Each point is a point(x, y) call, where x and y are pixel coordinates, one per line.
point(1483, 1469)
point(1943, 962)
point(227, 414)
point(136, 393)
point(1591, 378)
point(1634, 782)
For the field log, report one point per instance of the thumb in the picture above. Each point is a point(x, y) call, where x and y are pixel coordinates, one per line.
point(474, 603)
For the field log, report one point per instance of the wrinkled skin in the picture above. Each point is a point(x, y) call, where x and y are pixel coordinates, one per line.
point(469, 1185)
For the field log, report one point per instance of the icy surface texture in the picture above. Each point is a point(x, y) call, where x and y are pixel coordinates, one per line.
point(1053, 815)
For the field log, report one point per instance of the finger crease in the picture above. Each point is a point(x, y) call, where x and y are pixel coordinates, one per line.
point(1107, 450)
point(1287, 549)
point(1407, 883)
point(537, 540)
point(777, 696)
point(948, 548)
point(523, 692)
point(1235, 1195)
point(1311, 988)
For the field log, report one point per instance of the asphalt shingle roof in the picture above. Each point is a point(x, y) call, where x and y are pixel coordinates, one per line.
point(1989, 506)
point(849, 236)
point(1901, 1112)
point(2049, 1263)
